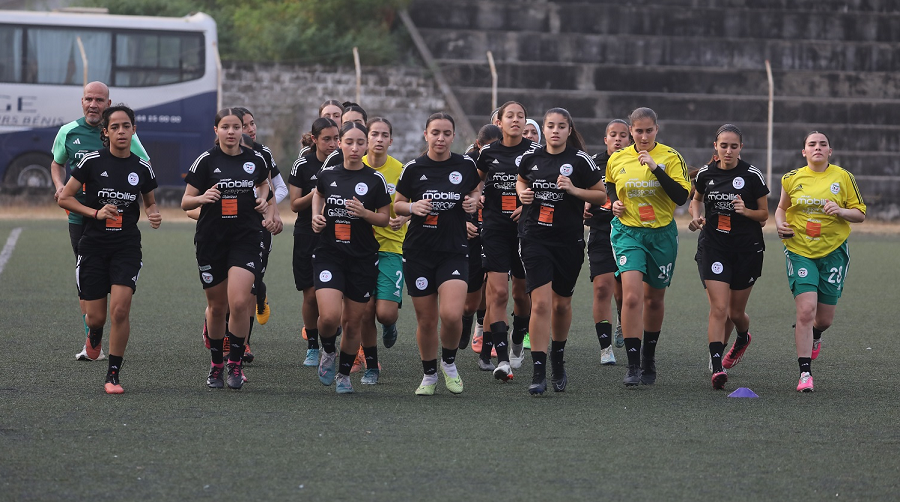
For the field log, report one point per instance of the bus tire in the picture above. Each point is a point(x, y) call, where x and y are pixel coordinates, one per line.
point(30, 170)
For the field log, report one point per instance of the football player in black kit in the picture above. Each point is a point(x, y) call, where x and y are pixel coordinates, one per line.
point(229, 184)
point(349, 199)
point(109, 251)
point(318, 144)
point(553, 184)
point(437, 190)
point(498, 164)
point(733, 195)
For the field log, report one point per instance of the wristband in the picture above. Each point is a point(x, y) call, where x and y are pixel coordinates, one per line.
point(96, 212)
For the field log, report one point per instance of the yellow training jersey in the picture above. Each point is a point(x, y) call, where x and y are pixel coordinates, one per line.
point(389, 241)
point(817, 234)
point(646, 203)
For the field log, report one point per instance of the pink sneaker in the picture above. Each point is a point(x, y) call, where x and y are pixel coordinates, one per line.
point(806, 382)
point(735, 355)
point(719, 379)
point(817, 345)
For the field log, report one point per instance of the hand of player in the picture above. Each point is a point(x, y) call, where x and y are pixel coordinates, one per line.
point(155, 219)
point(832, 208)
point(398, 222)
point(57, 193)
point(564, 183)
point(471, 230)
point(527, 196)
point(516, 214)
point(785, 231)
point(318, 223)
point(210, 196)
point(355, 208)
point(420, 207)
point(739, 206)
point(618, 208)
point(470, 205)
point(646, 160)
point(696, 223)
point(587, 211)
point(108, 212)
point(261, 206)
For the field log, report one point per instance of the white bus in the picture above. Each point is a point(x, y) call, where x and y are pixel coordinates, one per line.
point(166, 69)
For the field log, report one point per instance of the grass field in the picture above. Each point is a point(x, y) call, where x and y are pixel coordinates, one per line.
point(287, 437)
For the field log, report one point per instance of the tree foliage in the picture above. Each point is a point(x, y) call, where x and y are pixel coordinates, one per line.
point(307, 31)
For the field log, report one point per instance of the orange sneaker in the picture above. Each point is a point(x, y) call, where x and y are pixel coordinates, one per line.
point(303, 332)
point(248, 354)
point(112, 384)
point(93, 349)
point(360, 361)
point(477, 339)
point(226, 346)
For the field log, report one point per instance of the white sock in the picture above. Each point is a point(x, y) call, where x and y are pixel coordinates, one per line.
point(429, 379)
point(449, 369)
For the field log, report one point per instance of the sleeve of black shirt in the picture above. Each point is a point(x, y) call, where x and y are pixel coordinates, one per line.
point(675, 191)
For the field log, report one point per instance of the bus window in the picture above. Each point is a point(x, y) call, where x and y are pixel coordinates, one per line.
point(53, 56)
point(10, 54)
point(148, 59)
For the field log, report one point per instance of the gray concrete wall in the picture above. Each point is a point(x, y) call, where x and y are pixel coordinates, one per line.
point(285, 101)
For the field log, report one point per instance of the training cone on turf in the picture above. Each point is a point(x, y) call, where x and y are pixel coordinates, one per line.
point(743, 392)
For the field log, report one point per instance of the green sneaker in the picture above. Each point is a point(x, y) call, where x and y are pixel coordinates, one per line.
point(527, 341)
point(426, 390)
point(454, 384)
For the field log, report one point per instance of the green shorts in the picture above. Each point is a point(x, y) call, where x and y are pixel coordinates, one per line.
point(648, 250)
point(390, 277)
point(824, 276)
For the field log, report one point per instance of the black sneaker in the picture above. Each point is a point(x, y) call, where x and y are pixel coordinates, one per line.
point(648, 371)
point(389, 335)
point(235, 375)
point(559, 378)
point(214, 380)
point(538, 384)
point(633, 377)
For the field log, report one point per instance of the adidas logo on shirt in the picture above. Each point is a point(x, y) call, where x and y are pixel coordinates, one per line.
point(77, 141)
point(535, 168)
point(455, 272)
point(104, 174)
point(217, 170)
point(333, 183)
point(423, 178)
point(314, 177)
point(251, 265)
point(711, 182)
point(495, 161)
point(366, 295)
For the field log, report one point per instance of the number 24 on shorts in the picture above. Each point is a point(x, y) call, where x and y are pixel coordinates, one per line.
point(665, 272)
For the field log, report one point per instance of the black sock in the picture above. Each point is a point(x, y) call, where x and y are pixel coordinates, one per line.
point(312, 338)
point(479, 316)
point(371, 354)
point(250, 331)
point(466, 330)
point(743, 338)
point(604, 333)
point(260, 296)
point(649, 348)
point(716, 349)
point(216, 350)
point(328, 344)
point(448, 356)
point(557, 352)
point(520, 327)
point(487, 345)
point(817, 333)
point(539, 359)
point(633, 351)
point(805, 364)
point(237, 348)
point(115, 364)
point(345, 363)
point(430, 367)
point(500, 333)
point(95, 336)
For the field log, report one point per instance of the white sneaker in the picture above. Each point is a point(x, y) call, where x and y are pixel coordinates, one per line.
point(710, 364)
point(478, 330)
point(607, 358)
point(503, 372)
point(82, 356)
point(516, 355)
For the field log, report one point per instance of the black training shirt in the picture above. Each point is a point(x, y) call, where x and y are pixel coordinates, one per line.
point(344, 233)
point(724, 228)
point(304, 175)
point(501, 165)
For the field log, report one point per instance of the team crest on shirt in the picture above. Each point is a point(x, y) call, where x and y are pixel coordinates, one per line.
point(566, 169)
point(133, 179)
point(455, 178)
point(802, 273)
point(738, 183)
point(392, 188)
point(518, 160)
point(249, 167)
point(421, 283)
point(207, 277)
point(717, 268)
point(835, 188)
point(362, 188)
point(325, 275)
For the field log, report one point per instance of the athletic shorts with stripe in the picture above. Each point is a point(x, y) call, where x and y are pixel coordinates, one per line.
point(825, 275)
point(390, 277)
point(304, 245)
point(600, 254)
point(651, 251)
point(215, 258)
point(97, 270)
point(500, 253)
point(548, 264)
point(425, 271)
point(740, 270)
point(355, 277)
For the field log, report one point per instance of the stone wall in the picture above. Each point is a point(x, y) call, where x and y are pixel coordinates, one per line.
point(285, 101)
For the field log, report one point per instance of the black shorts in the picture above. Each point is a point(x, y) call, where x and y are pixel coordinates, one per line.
point(355, 277)
point(698, 257)
point(500, 253)
point(600, 254)
point(425, 271)
point(304, 245)
point(215, 258)
point(738, 269)
point(76, 230)
point(476, 271)
point(97, 270)
point(265, 248)
point(559, 265)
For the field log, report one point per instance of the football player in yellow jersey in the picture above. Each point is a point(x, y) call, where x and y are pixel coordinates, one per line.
point(818, 203)
point(389, 292)
point(650, 179)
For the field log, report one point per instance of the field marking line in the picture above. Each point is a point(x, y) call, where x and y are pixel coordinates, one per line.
point(8, 248)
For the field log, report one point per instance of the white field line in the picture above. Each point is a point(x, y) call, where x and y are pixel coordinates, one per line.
point(8, 248)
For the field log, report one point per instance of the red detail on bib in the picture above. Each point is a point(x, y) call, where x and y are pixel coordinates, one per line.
point(431, 219)
point(647, 213)
point(342, 231)
point(114, 222)
point(813, 229)
point(508, 203)
point(546, 215)
point(724, 223)
point(229, 207)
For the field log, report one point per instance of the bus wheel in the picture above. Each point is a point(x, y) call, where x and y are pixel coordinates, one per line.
point(30, 170)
